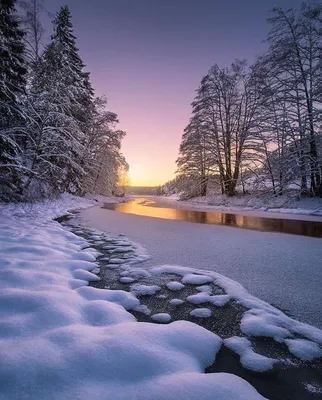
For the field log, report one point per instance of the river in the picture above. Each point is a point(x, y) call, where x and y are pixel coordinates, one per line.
point(283, 269)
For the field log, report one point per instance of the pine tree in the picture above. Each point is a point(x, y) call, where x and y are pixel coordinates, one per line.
point(12, 84)
point(62, 63)
point(61, 74)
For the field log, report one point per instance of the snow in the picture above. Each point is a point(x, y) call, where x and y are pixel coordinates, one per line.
point(265, 263)
point(219, 300)
point(201, 312)
point(175, 285)
point(144, 290)
point(248, 358)
point(304, 349)
point(62, 339)
point(176, 302)
point(204, 288)
point(126, 279)
point(285, 204)
point(161, 317)
point(194, 279)
point(313, 388)
point(261, 318)
point(260, 323)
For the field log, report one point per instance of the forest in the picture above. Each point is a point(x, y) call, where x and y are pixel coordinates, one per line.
point(257, 127)
point(55, 135)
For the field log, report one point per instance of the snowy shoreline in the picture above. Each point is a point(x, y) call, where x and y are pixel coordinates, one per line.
point(62, 339)
point(307, 209)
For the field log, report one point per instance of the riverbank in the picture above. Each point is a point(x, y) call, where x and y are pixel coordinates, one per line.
point(285, 206)
point(63, 339)
point(172, 293)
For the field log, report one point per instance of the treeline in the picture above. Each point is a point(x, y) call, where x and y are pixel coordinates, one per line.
point(55, 135)
point(259, 125)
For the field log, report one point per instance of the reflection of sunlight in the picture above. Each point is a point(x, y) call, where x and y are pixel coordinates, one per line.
point(146, 207)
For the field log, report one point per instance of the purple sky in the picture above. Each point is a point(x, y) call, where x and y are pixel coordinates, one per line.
point(148, 57)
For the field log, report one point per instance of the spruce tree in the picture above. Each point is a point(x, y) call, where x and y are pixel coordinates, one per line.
point(62, 63)
point(61, 75)
point(12, 84)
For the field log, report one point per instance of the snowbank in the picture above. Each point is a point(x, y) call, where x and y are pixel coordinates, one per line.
point(64, 340)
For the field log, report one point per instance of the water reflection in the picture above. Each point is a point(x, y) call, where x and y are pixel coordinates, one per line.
point(296, 227)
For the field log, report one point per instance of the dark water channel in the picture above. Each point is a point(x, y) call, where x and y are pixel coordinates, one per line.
point(295, 227)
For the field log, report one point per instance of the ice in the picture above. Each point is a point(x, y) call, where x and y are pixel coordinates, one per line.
point(161, 317)
point(174, 285)
point(248, 358)
point(264, 263)
point(304, 349)
point(144, 290)
point(201, 312)
point(64, 339)
point(194, 279)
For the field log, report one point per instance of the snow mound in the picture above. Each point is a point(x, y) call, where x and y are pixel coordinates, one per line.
point(219, 300)
point(260, 323)
point(248, 358)
point(62, 339)
point(261, 319)
point(304, 349)
point(161, 317)
point(144, 290)
point(176, 302)
point(201, 313)
point(126, 279)
point(194, 279)
point(174, 285)
point(204, 289)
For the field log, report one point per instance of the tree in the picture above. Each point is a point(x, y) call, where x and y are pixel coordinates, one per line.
point(103, 156)
point(228, 101)
point(195, 157)
point(61, 75)
point(34, 31)
point(294, 57)
point(12, 85)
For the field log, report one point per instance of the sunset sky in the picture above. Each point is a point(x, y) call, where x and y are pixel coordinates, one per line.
point(148, 57)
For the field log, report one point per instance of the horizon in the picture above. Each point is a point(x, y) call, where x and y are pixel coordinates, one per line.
point(148, 57)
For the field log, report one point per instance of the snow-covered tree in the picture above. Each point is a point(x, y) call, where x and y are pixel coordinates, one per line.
point(104, 160)
point(12, 85)
point(196, 159)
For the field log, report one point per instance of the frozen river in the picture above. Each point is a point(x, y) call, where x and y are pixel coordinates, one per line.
point(283, 269)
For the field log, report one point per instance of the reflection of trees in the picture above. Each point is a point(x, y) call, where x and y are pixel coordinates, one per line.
point(229, 219)
point(297, 227)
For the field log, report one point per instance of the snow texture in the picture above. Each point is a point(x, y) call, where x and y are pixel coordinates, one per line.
point(248, 358)
point(175, 285)
point(176, 302)
point(201, 312)
point(144, 290)
point(62, 339)
point(261, 319)
point(161, 317)
point(219, 300)
point(304, 349)
point(126, 279)
point(194, 279)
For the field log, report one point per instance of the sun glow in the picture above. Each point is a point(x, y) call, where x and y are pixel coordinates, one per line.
point(140, 176)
